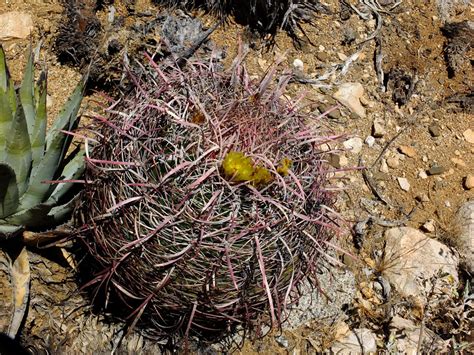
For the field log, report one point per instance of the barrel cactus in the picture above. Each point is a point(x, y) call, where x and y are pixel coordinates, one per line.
point(207, 202)
point(31, 159)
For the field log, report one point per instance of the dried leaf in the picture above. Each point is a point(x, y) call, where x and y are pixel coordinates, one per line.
point(20, 280)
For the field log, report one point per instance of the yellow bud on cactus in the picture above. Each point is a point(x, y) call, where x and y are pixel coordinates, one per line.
point(261, 176)
point(284, 166)
point(237, 167)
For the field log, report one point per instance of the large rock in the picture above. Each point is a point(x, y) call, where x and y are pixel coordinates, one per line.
point(465, 241)
point(337, 283)
point(419, 266)
point(357, 341)
point(349, 95)
point(15, 25)
point(408, 338)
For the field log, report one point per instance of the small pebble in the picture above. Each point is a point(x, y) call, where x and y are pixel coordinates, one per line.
point(334, 114)
point(378, 128)
point(393, 162)
point(383, 166)
point(282, 341)
point(469, 182)
point(447, 203)
point(337, 160)
point(429, 226)
point(422, 197)
point(370, 141)
point(436, 170)
point(341, 56)
point(407, 150)
point(435, 130)
point(322, 56)
point(298, 64)
point(469, 135)
point(404, 184)
point(353, 144)
point(458, 162)
point(422, 175)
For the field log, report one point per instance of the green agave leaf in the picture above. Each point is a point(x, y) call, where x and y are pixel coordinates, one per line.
point(8, 230)
point(45, 170)
point(61, 213)
point(73, 170)
point(8, 191)
point(27, 95)
point(39, 132)
point(57, 144)
point(43, 215)
point(18, 150)
point(6, 119)
point(4, 76)
point(7, 103)
point(34, 217)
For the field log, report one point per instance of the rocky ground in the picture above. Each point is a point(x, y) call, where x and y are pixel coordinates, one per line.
point(405, 102)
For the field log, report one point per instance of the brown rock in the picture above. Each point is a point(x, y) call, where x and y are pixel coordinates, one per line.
point(378, 128)
point(15, 25)
point(435, 130)
point(393, 162)
point(469, 182)
point(469, 135)
point(407, 150)
point(458, 162)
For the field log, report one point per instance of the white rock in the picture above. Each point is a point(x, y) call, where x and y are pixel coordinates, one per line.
point(349, 95)
point(383, 166)
point(15, 25)
point(422, 174)
point(357, 341)
point(405, 336)
point(404, 184)
point(465, 220)
point(429, 226)
point(338, 282)
point(342, 56)
point(414, 263)
point(370, 141)
point(353, 144)
point(298, 64)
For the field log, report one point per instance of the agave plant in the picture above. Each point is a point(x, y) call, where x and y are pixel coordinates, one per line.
point(30, 159)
